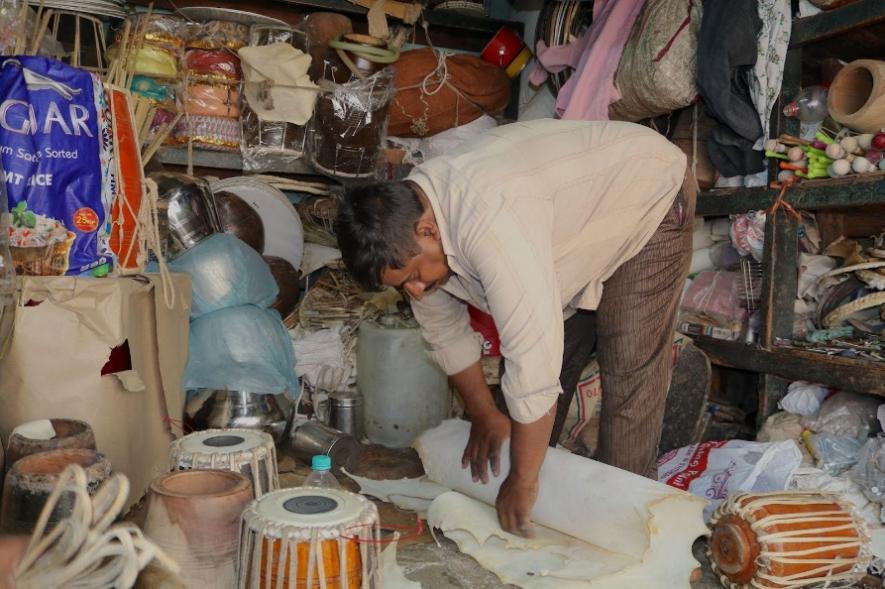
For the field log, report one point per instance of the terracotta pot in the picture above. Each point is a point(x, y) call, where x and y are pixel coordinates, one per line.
point(69, 434)
point(240, 220)
point(287, 278)
point(194, 516)
point(31, 480)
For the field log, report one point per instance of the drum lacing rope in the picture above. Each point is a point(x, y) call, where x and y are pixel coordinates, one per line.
point(820, 574)
point(85, 550)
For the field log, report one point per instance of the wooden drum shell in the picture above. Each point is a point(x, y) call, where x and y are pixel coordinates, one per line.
point(779, 540)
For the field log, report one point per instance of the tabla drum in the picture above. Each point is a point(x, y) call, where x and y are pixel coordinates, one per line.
point(246, 451)
point(310, 538)
point(350, 126)
point(788, 539)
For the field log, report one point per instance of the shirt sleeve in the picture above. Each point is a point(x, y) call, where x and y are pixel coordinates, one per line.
point(445, 325)
point(513, 259)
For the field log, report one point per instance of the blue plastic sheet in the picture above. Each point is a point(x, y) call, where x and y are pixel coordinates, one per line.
point(243, 349)
point(225, 272)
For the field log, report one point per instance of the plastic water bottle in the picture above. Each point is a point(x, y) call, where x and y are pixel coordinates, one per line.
point(321, 473)
point(810, 106)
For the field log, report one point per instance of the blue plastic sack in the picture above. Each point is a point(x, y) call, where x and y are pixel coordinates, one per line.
point(56, 151)
point(241, 349)
point(225, 272)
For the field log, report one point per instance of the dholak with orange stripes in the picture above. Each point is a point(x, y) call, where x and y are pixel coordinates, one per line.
point(310, 538)
point(788, 540)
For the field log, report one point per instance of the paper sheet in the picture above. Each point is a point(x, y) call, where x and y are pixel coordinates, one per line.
point(599, 527)
point(412, 494)
point(53, 368)
point(392, 574)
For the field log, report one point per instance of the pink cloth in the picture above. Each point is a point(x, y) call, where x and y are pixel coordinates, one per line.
point(595, 57)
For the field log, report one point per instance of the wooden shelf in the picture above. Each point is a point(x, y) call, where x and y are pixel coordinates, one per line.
point(851, 374)
point(833, 23)
point(439, 18)
point(224, 160)
point(809, 195)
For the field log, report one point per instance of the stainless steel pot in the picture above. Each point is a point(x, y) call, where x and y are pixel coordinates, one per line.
point(211, 408)
point(308, 438)
point(187, 213)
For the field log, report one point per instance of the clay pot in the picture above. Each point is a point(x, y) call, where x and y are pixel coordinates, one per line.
point(69, 434)
point(287, 278)
point(31, 480)
point(240, 220)
point(856, 97)
point(194, 516)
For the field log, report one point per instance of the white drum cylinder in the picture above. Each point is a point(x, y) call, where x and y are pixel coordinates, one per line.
point(247, 451)
point(310, 538)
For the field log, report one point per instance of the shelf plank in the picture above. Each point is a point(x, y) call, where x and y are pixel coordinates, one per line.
point(833, 23)
point(849, 374)
point(809, 195)
point(224, 160)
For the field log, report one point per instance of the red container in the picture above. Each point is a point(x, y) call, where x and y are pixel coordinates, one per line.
point(484, 324)
point(507, 51)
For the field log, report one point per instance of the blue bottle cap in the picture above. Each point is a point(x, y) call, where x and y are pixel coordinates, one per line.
point(321, 462)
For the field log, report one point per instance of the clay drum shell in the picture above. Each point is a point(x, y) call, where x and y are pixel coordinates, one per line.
point(194, 516)
point(32, 479)
point(69, 434)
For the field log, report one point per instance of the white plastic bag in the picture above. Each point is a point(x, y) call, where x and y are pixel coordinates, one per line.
point(814, 479)
point(804, 398)
point(715, 470)
point(846, 414)
point(869, 472)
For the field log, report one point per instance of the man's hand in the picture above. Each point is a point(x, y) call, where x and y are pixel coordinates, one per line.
point(514, 505)
point(488, 431)
point(519, 492)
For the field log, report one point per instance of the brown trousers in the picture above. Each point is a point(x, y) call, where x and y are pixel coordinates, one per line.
point(632, 334)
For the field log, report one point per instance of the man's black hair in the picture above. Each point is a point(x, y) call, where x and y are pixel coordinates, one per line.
point(376, 229)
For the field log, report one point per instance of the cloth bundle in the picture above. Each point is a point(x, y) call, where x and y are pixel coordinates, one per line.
point(437, 91)
point(656, 74)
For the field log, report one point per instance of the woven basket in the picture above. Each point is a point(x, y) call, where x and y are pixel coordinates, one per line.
point(46, 260)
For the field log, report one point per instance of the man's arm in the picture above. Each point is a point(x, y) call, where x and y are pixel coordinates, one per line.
point(518, 493)
point(490, 428)
point(513, 259)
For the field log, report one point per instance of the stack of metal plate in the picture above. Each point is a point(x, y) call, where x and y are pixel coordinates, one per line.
point(562, 22)
point(110, 8)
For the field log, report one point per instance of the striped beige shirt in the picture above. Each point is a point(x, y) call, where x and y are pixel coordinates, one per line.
point(534, 218)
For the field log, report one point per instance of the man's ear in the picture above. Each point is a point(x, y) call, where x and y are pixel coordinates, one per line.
point(427, 228)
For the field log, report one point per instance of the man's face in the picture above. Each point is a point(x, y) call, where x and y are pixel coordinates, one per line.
point(425, 272)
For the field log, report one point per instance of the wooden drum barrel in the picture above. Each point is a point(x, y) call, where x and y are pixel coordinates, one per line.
point(788, 539)
point(325, 538)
